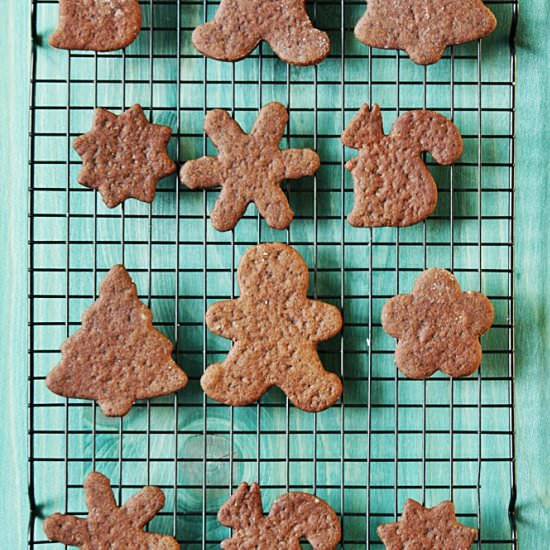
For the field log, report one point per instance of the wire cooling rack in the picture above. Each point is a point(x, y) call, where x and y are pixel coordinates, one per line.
point(389, 438)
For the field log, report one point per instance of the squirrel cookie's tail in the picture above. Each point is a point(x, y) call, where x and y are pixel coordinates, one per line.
point(307, 516)
point(429, 132)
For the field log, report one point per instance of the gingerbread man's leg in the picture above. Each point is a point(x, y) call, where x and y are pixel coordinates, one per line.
point(239, 380)
point(295, 40)
point(228, 36)
point(312, 389)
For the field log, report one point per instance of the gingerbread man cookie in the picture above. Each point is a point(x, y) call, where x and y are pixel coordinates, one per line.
point(392, 185)
point(427, 529)
point(437, 326)
point(292, 516)
point(275, 330)
point(423, 28)
point(124, 156)
point(100, 25)
point(249, 167)
point(239, 26)
point(110, 526)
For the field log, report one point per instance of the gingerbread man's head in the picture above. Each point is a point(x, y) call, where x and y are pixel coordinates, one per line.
point(272, 271)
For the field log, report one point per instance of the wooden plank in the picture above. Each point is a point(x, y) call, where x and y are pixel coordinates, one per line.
point(14, 53)
point(532, 281)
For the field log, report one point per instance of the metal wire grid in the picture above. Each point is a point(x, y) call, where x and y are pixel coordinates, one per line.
point(389, 438)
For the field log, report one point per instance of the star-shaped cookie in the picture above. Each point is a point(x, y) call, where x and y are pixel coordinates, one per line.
point(124, 156)
point(249, 167)
point(427, 529)
point(437, 326)
point(110, 526)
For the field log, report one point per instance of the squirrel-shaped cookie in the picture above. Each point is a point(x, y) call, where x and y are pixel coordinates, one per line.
point(423, 28)
point(292, 516)
point(392, 185)
point(275, 330)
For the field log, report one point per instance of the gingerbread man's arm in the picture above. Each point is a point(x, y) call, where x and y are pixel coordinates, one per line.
point(320, 321)
point(225, 318)
point(68, 530)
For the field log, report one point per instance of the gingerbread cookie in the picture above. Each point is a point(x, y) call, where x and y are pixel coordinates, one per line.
point(392, 185)
point(124, 156)
point(100, 25)
point(427, 529)
point(275, 330)
point(437, 326)
point(292, 516)
point(239, 26)
point(423, 28)
point(249, 167)
point(110, 526)
point(116, 356)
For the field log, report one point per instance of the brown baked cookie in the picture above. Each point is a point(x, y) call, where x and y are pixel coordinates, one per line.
point(249, 167)
point(437, 326)
point(116, 356)
point(275, 330)
point(423, 28)
point(100, 25)
point(239, 26)
point(292, 517)
point(110, 526)
point(392, 185)
point(124, 156)
point(427, 529)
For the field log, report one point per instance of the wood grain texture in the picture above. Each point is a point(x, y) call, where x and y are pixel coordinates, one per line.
point(532, 280)
point(532, 306)
point(14, 52)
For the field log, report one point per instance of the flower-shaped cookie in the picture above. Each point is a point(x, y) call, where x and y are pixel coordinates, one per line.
point(110, 526)
point(275, 330)
point(249, 167)
point(437, 326)
point(292, 516)
point(427, 529)
point(124, 156)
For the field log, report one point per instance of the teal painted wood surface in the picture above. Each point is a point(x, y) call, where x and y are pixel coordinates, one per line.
point(532, 333)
